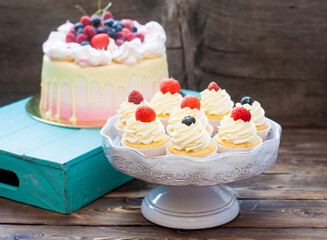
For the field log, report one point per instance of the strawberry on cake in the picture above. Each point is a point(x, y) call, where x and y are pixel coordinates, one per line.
point(90, 66)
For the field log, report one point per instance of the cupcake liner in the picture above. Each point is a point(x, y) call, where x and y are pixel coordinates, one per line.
point(222, 149)
point(264, 133)
point(164, 120)
point(120, 131)
point(204, 156)
point(211, 129)
point(151, 152)
point(214, 123)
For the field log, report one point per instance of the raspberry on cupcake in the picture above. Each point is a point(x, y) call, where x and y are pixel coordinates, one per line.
point(216, 103)
point(190, 106)
point(237, 133)
point(145, 133)
point(191, 139)
point(167, 99)
point(258, 116)
point(127, 110)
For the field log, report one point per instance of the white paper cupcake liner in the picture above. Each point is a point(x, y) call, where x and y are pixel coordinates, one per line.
point(120, 131)
point(264, 133)
point(164, 120)
point(214, 123)
point(222, 149)
point(151, 152)
point(204, 156)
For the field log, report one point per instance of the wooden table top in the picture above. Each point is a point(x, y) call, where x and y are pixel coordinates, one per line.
point(288, 201)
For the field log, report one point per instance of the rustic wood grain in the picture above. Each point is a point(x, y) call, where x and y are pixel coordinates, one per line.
point(97, 233)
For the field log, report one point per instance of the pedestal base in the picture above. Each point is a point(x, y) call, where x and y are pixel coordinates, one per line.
point(190, 207)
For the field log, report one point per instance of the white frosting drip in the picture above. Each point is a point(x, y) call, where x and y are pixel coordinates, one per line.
point(128, 53)
point(257, 112)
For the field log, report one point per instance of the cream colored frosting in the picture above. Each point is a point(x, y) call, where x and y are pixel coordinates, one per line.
point(236, 132)
point(179, 114)
point(165, 103)
point(138, 132)
point(128, 53)
point(216, 102)
point(126, 110)
point(190, 138)
point(257, 112)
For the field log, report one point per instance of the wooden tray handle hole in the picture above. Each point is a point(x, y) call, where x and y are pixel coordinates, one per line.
point(8, 179)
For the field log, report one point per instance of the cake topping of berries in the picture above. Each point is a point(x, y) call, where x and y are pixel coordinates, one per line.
point(100, 41)
point(213, 86)
point(169, 85)
point(190, 101)
point(188, 120)
point(135, 97)
point(145, 114)
point(241, 113)
point(247, 100)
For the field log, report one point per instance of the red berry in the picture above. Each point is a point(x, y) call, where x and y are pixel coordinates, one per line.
point(120, 35)
point(70, 37)
point(127, 22)
point(100, 41)
point(213, 86)
point(135, 97)
point(126, 31)
point(72, 30)
point(119, 42)
point(89, 31)
point(107, 15)
point(140, 36)
point(130, 37)
point(169, 85)
point(241, 113)
point(191, 102)
point(145, 114)
point(85, 20)
point(81, 38)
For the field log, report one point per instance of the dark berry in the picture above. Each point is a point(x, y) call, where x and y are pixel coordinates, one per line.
point(120, 35)
point(85, 43)
point(188, 120)
point(85, 20)
point(109, 22)
point(134, 29)
point(89, 31)
point(104, 29)
point(95, 21)
point(247, 100)
point(118, 25)
point(112, 33)
point(107, 15)
point(79, 31)
point(78, 26)
point(81, 38)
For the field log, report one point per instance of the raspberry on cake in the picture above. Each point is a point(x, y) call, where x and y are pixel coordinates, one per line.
point(237, 133)
point(145, 133)
point(258, 116)
point(89, 66)
point(190, 106)
point(167, 99)
point(127, 110)
point(216, 103)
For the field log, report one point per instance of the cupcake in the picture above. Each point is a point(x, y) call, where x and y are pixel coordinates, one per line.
point(216, 103)
point(258, 116)
point(190, 106)
point(166, 100)
point(145, 133)
point(237, 133)
point(127, 110)
point(191, 139)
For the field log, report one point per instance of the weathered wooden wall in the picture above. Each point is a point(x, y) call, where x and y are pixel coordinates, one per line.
point(275, 51)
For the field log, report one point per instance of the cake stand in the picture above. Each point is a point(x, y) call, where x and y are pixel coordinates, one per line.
point(191, 194)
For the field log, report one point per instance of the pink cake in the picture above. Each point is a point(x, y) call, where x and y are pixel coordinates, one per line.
point(90, 67)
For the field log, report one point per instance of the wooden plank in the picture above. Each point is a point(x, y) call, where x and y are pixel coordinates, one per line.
point(68, 232)
point(126, 212)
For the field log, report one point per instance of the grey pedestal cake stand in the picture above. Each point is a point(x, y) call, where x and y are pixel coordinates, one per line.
point(191, 194)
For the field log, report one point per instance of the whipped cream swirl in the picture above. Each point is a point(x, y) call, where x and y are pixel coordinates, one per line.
point(190, 138)
point(236, 132)
point(216, 103)
point(257, 112)
point(126, 111)
point(165, 104)
point(138, 132)
point(130, 52)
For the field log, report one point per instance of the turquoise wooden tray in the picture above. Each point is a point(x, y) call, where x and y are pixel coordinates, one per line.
point(52, 167)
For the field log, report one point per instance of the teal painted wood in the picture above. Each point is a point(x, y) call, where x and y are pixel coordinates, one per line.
point(59, 169)
point(186, 91)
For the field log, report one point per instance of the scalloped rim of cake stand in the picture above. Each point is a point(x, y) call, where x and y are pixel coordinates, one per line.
point(33, 110)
